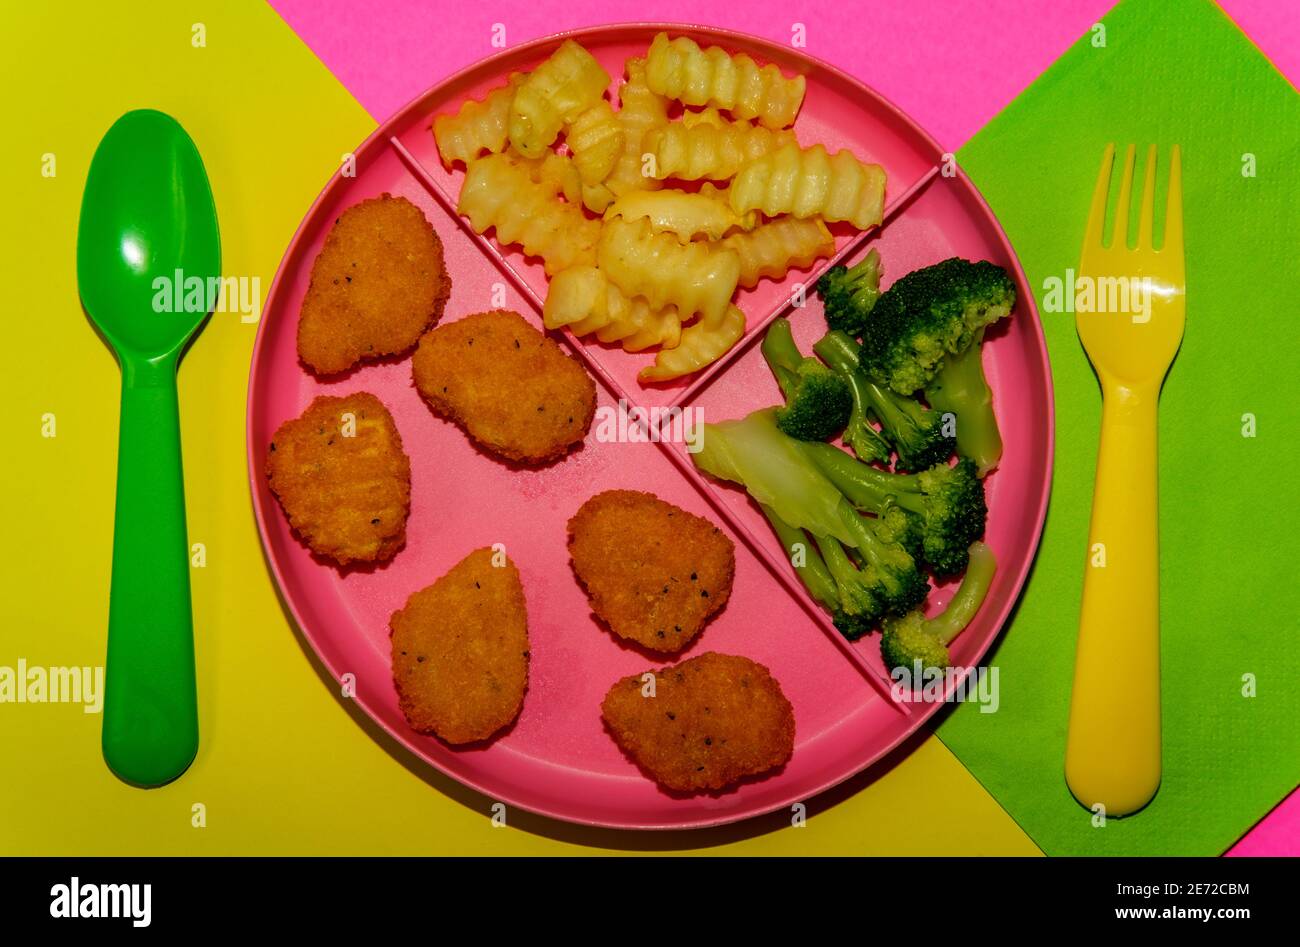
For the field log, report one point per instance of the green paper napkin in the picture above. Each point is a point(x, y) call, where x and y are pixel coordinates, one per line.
point(1172, 71)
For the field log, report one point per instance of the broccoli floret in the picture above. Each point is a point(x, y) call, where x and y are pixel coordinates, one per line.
point(929, 314)
point(918, 329)
point(896, 582)
point(873, 580)
point(818, 404)
point(863, 439)
point(818, 401)
point(905, 641)
point(858, 606)
point(816, 577)
point(896, 525)
point(959, 388)
point(954, 509)
point(774, 468)
point(913, 637)
point(915, 432)
point(849, 293)
point(949, 501)
point(851, 627)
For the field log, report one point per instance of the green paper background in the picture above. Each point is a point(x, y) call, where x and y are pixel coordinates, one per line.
point(1170, 71)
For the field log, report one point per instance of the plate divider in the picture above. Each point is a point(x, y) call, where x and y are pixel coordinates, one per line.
point(498, 259)
point(783, 574)
point(676, 454)
point(706, 376)
point(779, 568)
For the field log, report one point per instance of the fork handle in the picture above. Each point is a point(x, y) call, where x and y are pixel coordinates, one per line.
point(1113, 750)
point(150, 729)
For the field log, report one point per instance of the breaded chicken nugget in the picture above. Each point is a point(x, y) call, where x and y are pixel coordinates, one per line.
point(510, 387)
point(342, 477)
point(712, 720)
point(376, 285)
point(653, 572)
point(460, 650)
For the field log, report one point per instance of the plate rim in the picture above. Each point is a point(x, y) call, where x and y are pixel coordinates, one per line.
point(697, 819)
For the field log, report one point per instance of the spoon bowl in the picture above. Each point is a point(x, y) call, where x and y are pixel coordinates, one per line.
point(147, 214)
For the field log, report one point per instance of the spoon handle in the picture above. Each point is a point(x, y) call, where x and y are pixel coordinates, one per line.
point(151, 730)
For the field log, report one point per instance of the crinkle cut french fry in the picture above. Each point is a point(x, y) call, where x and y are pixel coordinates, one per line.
point(640, 326)
point(681, 70)
point(705, 151)
point(499, 193)
point(693, 277)
point(774, 248)
point(597, 197)
point(477, 126)
point(663, 266)
point(748, 220)
point(554, 93)
point(709, 116)
point(576, 298)
point(582, 299)
point(639, 111)
point(808, 182)
point(680, 212)
point(562, 171)
point(556, 170)
point(701, 344)
point(595, 140)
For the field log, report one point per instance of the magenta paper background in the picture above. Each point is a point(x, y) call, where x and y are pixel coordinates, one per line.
point(951, 64)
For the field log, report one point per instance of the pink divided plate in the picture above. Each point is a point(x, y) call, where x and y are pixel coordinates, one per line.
point(557, 759)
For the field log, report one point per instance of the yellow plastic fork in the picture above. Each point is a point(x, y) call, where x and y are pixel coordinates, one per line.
point(1112, 754)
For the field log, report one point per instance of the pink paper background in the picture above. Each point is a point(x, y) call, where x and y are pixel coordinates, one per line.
point(951, 64)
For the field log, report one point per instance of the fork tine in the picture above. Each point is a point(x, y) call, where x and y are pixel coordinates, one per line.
point(1097, 212)
point(1174, 207)
point(1119, 234)
point(1145, 221)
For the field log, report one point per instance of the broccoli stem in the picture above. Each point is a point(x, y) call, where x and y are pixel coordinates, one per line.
point(841, 568)
point(838, 350)
point(753, 452)
point(865, 440)
point(897, 414)
point(960, 387)
point(868, 544)
point(969, 596)
point(814, 575)
point(890, 564)
point(782, 355)
point(864, 486)
point(906, 426)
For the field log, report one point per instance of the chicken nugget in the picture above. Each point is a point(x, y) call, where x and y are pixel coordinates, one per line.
point(709, 722)
point(376, 285)
point(654, 573)
point(511, 388)
point(460, 650)
point(341, 476)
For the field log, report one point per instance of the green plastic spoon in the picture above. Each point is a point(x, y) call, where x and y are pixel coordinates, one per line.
point(147, 217)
